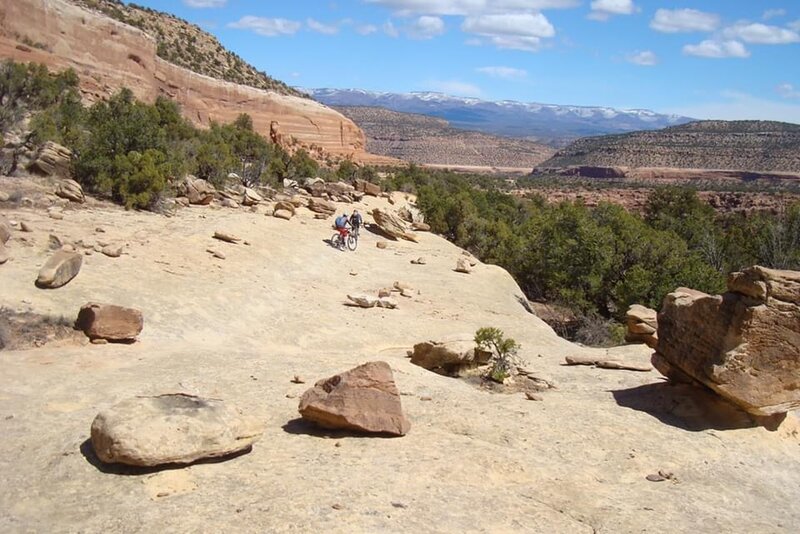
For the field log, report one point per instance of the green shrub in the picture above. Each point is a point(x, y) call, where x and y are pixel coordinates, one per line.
point(504, 352)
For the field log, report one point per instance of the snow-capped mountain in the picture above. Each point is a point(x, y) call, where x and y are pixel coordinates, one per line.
point(546, 123)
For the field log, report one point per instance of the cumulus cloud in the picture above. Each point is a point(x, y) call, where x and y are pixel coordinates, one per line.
point(794, 25)
point(505, 73)
point(426, 27)
point(266, 26)
point(471, 7)
point(518, 32)
point(319, 27)
point(758, 33)
point(787, 90)
point(205, 3)
point(773, 14)
point(366, 29)
point(645, 58)
point(454, 87)
point(717, 49)
point(390, 29)
point(603, 9)
point(684, 20)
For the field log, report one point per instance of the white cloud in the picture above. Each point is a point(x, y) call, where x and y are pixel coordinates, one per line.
point(366, 29)
point(733, 105)
point(787, 90)
point(389, 29)
point(717, 49)
point(205, 3)
point(505, 73)
point(518, 32)
point(758, 33)
point(684, 20)
point(426, 27)
point(603, 9)
point(471, 7)
point(773, 13)
point(454, 87)
point(265, 26)
point(645, 58)
point(319, 27)
point(794, 25)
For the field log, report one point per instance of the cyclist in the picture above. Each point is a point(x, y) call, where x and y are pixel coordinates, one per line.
point(341, 224)
point(356, 221)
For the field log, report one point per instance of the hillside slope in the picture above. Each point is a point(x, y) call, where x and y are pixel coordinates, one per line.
point(429, 140)
point(108, 55)
point(241, 328)
point(740, 145)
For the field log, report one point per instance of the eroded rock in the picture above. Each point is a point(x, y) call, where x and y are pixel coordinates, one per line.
point(197, 190)
point(62, 267)
point(70, 190)
point(171, 429)
point(450, 358)
point(110, 322)
point(392, 225)
point(641, 325)
point(363, 399)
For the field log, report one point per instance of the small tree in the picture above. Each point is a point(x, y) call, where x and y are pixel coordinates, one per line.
point(504, 352)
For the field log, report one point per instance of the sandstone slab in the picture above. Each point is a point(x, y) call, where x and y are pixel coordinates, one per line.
point(62, 267)
point(745, 344)
point(110, 322)
point(641, 325)
point(450, 358)
point(171, 429)
point(70, 190)
point(363, 399)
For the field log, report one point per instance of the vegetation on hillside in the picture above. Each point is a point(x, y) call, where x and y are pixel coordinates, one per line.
point(188, 46)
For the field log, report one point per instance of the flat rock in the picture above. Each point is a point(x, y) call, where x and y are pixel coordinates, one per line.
point(451, 357)
point(62, 267)
point(228, 238)
point(110, 322)
point(283, 214)
point(641, 325)
point(171, 429)
point(112, 251)
point(367, 301)
point(363, 399)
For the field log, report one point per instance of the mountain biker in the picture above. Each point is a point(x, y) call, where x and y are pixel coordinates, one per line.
point(356, 221)
point(341, 224)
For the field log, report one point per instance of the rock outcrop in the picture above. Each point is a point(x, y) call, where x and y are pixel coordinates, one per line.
point(62, 267)
point(363, 399)
point(110, 322)
point(745, 344)
point(450, 358)
point(392, 225)
point(641, 325)
point(197, 190)
point(368, 188)
point(171, 429)
point(124, 56)
point(52, 160)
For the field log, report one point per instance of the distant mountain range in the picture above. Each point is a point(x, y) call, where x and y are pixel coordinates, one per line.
point(550, 124)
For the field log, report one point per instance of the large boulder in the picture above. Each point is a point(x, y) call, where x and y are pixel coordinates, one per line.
point(285, 206)
point(62, 267)
point(450, 358)
point(197, 190)
point(368, 188)
point(5, 232)
point(364, 399)
point(52, 160)
point(641, 325)
point(392, 225)
point(250, 197)
point(171, 429)
point(745, 344)
point(321, 206)
point(71, 190)
point(110, 322)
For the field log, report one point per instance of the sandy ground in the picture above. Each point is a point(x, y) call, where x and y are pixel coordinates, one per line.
point(239, 329)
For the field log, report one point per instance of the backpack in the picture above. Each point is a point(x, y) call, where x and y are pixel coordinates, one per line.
point(340, 220)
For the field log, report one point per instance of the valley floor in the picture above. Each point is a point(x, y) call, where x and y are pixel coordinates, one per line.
point(240, 329)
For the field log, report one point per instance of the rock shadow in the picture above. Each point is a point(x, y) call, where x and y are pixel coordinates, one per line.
point(375, 229)
point(689, 407)
point(87, 450)
point(300, 426)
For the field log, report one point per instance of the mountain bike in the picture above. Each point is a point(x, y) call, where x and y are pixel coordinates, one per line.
point(347, 239)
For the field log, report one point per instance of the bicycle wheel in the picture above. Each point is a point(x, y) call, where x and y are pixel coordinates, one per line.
point(352, 241)
point(336, 240)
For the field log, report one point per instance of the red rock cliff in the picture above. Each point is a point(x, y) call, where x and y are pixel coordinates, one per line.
point(108, 55)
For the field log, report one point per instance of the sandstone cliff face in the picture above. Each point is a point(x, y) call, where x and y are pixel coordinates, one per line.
point(108, 55)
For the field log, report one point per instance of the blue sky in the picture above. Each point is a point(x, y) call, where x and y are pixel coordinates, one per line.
point(728, 59)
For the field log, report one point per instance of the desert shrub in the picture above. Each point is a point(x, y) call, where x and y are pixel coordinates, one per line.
point(140, 178)
point(504, 352)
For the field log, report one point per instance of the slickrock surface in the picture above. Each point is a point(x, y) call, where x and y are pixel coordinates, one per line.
point(241, 329)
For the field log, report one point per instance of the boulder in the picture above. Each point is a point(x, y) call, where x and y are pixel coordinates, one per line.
point(299, 201)
point(321, 206)
point(5, 232)
point(745, 344)
point(382, 245)
point(641, 325)
point(367, 188)
point(197, 191)
point(228, 238)
point(392, 225)
point(364, 399)
point(421, 226)
point(317, 188)
point(450, 358)
point(52, 160)
point(229, 203)
point(250, 197)
point(4, 197)
point(110, 322)
point(112, 251)
point(419, 261)
point(171, 429)
point(70, 190)
point(340, 189)
point(4, 255)
point(288, 183)
point(286, 215)
point(463, 265)
point(62, 267)
point(367, 301)
point(285, 206)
